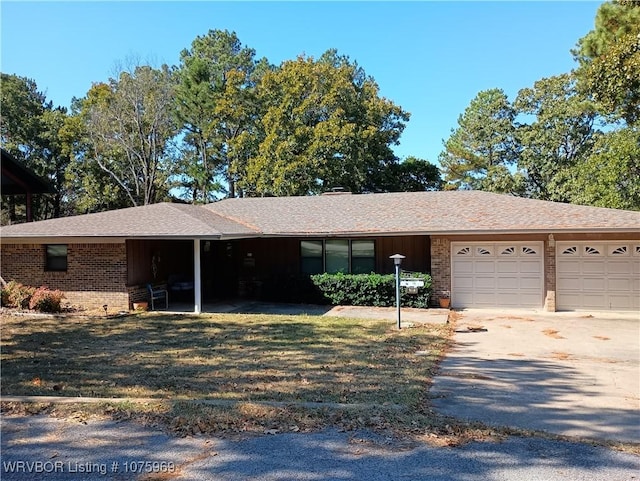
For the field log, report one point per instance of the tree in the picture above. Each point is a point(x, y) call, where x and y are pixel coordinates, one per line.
point(480, 151)
point(609, 58)
point(130, 124)
point(560, 136)
point(30, 131)
point(609, 177)
point(217, 106)
point(410, 175)
point(325, 125)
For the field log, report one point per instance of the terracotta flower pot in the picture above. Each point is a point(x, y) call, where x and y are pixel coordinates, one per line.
point(141, 306)
point(445, 302)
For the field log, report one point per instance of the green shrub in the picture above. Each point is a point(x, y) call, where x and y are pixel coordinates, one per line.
point(17, 295)
point(370, 290)
point(46, 300)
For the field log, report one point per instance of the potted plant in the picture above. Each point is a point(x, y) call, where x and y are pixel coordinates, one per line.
point(140, 306)
point(444, 299)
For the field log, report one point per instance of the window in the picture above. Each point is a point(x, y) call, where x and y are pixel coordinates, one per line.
point(363, 256)
point(337, 255)
point(56, 257)
point(311, 257)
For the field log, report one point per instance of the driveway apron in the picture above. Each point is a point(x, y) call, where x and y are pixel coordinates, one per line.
point(572, 374)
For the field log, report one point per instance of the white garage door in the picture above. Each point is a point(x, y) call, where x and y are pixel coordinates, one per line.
point(497, 274)
point(598, 275)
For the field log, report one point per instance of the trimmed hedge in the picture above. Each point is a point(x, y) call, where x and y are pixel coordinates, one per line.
point(370, 290)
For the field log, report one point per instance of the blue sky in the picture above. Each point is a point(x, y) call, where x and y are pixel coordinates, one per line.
point(431, 58)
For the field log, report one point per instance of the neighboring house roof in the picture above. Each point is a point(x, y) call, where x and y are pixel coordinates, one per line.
point(454, 212)
point(17, 179)
point(448, 212)
point(162, 220)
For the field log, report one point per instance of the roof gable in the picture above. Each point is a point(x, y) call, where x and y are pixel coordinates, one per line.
point(154, 220)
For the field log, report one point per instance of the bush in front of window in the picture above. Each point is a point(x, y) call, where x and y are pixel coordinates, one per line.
point(370, 290)
point(46, 300)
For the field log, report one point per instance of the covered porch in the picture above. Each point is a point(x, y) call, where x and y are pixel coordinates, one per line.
point(203, 272)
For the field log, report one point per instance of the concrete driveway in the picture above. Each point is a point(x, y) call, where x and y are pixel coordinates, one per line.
point(575, 374)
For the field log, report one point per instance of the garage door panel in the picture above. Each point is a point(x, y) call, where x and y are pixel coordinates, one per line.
point(620, 302)
point(507, 284)
point(483, 267)
point(620, 267)
point(462, 282)
point(483, 282)
point(510, 299)
point(530, 299)
point(595, 301)
point(484, 298)
point(594, 284)
point(623, 285)
point(567, 266)
point(598, 276)
point(594, 267)
point(530, 267)
point(569, 283)
point(507, 267)
point(531, 282)
point(463, 266)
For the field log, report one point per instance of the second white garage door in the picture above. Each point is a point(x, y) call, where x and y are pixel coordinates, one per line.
point(497, 274)
point(598, 275)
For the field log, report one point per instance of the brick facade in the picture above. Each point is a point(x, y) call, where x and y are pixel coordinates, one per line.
point(550, 275)
point(440, 266)
point(96, 273)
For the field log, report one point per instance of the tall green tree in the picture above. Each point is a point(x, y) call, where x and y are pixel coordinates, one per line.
point(30, 131)
point(130, 125)
point(482, 149)
point(609, 60)
point(325, 125)
point(410, 175)
point(610, 176)
point(559, 136)
point(218, 108)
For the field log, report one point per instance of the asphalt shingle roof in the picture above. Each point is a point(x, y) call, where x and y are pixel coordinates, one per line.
point(155, 220)
point(412, 212)
point(455, 212)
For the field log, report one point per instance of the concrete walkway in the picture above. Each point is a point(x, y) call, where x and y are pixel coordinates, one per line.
point(571, 374)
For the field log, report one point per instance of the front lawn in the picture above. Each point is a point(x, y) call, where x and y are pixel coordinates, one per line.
point(244, 358)
point(240, 357)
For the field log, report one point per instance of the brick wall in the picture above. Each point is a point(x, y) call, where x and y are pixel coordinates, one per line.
point(96, 273)
point(549, 276)
point(440, 265)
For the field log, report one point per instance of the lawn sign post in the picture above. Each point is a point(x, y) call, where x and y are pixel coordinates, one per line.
point(397, 260)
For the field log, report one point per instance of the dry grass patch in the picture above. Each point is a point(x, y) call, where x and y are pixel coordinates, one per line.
point(223, 356)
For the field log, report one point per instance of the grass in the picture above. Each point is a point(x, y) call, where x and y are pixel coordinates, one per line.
point(380, 373)
point(262, 372)
point(237, 357)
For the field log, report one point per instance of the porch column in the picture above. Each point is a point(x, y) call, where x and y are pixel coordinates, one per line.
point(197, 282)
